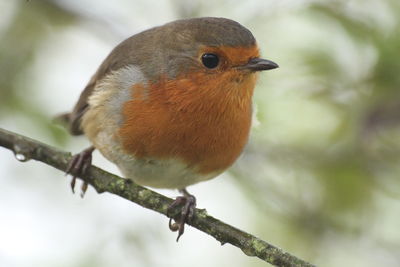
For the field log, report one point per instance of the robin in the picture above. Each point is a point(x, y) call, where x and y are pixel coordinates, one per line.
point(171, 106)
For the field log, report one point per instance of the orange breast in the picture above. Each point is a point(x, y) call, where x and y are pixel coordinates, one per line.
point(200, 118)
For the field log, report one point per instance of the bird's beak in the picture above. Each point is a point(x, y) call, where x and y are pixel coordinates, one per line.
point(259, 64)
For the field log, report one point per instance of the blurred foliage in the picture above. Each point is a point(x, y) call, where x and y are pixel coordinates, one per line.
point(312, 191)
point(361, 160)
point(27, 31)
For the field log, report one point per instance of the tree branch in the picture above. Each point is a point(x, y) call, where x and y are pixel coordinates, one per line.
point(25, 148)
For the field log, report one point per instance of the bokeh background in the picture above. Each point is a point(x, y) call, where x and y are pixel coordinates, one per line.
point(319, 178)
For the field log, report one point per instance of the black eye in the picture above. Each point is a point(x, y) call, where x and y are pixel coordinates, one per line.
point(210, 60)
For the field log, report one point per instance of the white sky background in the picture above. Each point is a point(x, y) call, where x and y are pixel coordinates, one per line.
point(43, 224)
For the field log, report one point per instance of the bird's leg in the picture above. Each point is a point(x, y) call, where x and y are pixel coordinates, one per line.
point(189, 204)
point(79, 165)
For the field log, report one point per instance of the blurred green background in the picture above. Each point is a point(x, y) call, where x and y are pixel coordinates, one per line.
point(319, 178)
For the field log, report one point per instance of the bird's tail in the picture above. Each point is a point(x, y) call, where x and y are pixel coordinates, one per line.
point(65, 120)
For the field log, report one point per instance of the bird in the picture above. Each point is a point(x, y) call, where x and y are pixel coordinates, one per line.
point(171, 106)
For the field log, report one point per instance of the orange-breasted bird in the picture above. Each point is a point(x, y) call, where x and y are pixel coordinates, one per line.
point(171, 106)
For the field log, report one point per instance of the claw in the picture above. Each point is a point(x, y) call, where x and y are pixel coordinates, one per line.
point(189, 204)
point(79, 164)
point(84, 187)
point(73, 181)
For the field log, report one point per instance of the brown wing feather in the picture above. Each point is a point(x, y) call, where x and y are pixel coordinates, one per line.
point(72, 120)
point(122, 55)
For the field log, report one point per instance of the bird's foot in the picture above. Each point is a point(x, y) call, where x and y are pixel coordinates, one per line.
point(188, 203)
point(79, 165)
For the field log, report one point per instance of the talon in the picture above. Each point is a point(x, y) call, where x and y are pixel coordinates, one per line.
point(188, 209)
point(181, 230)
point(79, 164)
point(84, 187)
point(73, 181)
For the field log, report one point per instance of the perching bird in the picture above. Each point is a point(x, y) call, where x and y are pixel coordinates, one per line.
point(171, 106)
